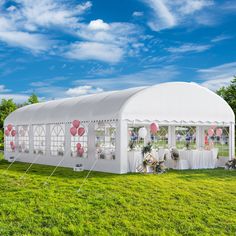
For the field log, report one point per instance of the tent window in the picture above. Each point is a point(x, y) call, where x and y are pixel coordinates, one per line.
point(185, 137)
point(39, 139)
point(57, 139)
point(106, 141)
point(10, 142)
point(83, 140)
point(160, 139)
point(23, 140)
point(219, 140)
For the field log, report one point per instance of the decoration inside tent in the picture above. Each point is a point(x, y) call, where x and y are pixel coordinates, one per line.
point(77, 133)
point(10, 134)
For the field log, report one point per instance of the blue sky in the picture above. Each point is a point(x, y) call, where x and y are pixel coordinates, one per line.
point(63, 48)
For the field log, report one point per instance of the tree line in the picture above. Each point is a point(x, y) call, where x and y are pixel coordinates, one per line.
point(7, 106)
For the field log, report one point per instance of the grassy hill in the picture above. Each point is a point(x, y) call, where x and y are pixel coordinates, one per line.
point(201, 202)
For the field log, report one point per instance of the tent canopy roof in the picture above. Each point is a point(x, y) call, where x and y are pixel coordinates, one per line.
point(174, 101)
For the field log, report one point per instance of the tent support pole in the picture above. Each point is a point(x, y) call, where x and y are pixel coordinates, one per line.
point(232, 141)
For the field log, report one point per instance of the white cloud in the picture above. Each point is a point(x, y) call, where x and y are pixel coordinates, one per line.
point(168, 13)
point(48, 13)
point(95, 51)
point(18, 22)
point(216, 84)
point(83, 90)
point(18, 98)
point(22, 24)
point(188, 47)
point(218, 76)
point(218, 72)
point(191, 6)
point(144, 77)
point(113, 33)
point(98, 25)
point(220, 38)
point(137, 13)
point(163, 17)
point(107, 42)
point(3, 89)
point(34, 42)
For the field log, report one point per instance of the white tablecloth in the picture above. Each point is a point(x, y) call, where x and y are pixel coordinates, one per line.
point(189, 159)
point(199, 159)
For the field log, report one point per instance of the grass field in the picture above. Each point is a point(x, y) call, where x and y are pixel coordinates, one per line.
point(201, 202)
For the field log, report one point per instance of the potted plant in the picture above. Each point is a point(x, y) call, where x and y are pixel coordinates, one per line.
point(147, 149)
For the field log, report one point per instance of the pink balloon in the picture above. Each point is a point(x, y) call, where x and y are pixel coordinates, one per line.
point(76, 123)
point(81, 152)
point(78, 146)
point(9, 127)
point(11, 143)
point(73, 131)
point(154, 128)
point(7, 132)
point(210, 132)
point(219, 132)
point(81, 131)
point(213, 126)
point(13, 133)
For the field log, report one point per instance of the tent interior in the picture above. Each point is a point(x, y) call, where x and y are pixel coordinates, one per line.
point(108, 131)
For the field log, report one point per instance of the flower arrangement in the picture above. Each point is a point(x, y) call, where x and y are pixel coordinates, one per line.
point(174, 154)
point(231, 164)
point(147, 149)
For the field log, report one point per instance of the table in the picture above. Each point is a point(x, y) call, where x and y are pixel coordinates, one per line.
point(199, 159)
point(188, 159)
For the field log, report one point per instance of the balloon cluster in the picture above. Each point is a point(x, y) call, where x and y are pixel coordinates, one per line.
point(77, 130)
point(211, 131)
point(10, 131)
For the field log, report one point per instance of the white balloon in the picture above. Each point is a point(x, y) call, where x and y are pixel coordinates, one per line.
point(142, 133)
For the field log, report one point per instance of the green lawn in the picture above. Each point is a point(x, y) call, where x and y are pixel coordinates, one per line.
point(176, 203)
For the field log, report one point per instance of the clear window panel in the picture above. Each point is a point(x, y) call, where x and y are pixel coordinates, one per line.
point(83, 141)
point(219, 140)
point(39, 132)
point(23, 138)
point(185, 137)
point(106, 140)
point(135, 142)
point(160, 139)
point(10, 141)
point(57, 146)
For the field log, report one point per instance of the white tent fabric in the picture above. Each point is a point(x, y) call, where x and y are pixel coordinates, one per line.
point(170, 102)
point(178, 102)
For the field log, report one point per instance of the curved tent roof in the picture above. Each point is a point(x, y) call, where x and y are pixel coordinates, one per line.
point(174, 101)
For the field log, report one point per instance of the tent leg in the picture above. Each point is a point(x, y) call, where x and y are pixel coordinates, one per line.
point(232, 141)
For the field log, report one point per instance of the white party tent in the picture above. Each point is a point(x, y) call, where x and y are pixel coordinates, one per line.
point(44, 133)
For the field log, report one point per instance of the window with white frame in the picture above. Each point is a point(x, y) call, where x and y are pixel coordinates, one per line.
point(105, 134)
point(39, 139)
point(23, 138)
point(218, 138)
point(160, 139)
point(80, 142)
point(185, 137)
point(10, 141)
point(57, 146)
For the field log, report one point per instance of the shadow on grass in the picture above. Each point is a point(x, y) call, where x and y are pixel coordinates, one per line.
point(64, 172)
